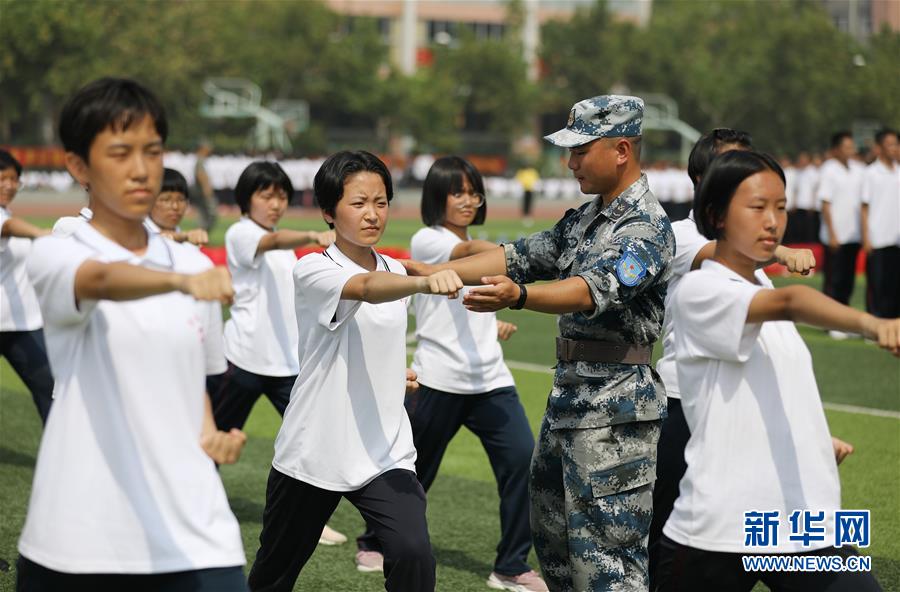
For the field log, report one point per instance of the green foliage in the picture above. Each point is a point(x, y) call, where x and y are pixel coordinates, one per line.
point(779, 69)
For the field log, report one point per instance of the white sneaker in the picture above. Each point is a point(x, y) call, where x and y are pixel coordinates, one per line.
point(331, 537)
point(529, 581)
point(838, 335)
point(369, 561)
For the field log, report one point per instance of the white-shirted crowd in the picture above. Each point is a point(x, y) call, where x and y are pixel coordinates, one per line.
point(149, 392)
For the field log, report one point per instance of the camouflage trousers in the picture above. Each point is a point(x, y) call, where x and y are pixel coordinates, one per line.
point(591, 503)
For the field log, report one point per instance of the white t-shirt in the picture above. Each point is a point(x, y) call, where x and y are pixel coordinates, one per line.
point(67, 224)
point(457, 350)
point(261, 335)
point(154, 227)
point(196, 262)
point(345, 424)
point(759, 439)
point(841, 186)
point(881, 191)
point(122, 484)
point(807, 186)
point(790, 187)
point(688, 242)
point(19, 310)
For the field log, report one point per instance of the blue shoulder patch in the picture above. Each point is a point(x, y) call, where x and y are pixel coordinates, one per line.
point(629, 269)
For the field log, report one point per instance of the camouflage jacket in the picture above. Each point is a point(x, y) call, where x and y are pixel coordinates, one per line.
point(623, 252)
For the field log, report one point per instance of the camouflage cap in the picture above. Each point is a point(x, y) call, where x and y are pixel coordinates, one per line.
point(606, 116)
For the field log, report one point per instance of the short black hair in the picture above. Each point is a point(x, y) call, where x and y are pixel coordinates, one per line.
point(721, 181)
point(174, 181)
point(8, 161)
point(838, 137)
point(258, 175)
point(328, 185)
point(707, 148)
point(115, 103)
point(883, 133)
point(446, 176)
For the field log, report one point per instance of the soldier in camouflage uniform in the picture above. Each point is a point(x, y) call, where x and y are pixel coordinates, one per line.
point(593, 469)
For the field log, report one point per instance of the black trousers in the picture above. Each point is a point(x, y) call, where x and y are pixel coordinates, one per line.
point(32, 577)
point(840, 271)
point(527, 202)
point(27, 354)
point(685, 569)
point(883, 282)
point(393, 504)
point(498, 419)
point(238, 390)
point(670, 468)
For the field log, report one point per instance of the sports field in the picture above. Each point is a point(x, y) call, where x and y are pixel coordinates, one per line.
point(859, 383)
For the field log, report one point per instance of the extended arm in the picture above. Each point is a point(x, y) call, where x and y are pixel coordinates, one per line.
point(121, 281)
point(22, 229)
point(803, 304)
point(795, 260)
point(470, 269)
point(195, 236)
point(381, 286)
point(560, 297)
point(291, 239)
point(471, 247)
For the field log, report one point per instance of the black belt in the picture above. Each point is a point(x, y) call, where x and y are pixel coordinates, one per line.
point(583, 350)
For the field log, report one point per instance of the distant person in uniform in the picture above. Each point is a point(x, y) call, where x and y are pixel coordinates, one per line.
point(608, 263)
point(528, 178)
point(840, 196)
point(202, 195)
point(881, 227)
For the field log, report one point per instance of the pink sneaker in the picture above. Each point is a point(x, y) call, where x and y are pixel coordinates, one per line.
point(331, 537)
point(529, 581)
point(369, 561)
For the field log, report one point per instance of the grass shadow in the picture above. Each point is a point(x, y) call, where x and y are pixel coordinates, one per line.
point(9, 456)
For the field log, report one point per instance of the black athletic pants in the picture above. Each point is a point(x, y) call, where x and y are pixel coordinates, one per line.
point(26, 352)
point(32, 577)
point(238, 390)
point(498, 419)
point(840, 271)
point(685, 569)
point(883, 282)
point(393, 504)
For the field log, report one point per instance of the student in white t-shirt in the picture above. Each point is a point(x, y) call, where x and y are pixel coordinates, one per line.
point(840, 196)
point(261, 335)
point(462, 376)
point(169, 209)
point(881, 227)
point(345, 432)
point(126, 495)
point(759, 440)
point(21, 333)
point(691, 250)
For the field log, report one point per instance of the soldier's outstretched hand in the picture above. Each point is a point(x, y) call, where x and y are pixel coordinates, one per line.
point(497, 292)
